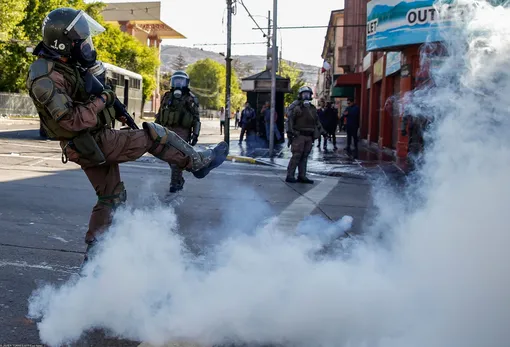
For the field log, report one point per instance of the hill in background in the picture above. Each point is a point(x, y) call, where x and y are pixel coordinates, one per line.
point(191, 55)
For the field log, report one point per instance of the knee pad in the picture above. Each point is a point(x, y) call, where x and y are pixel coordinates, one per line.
point(162, 136)
point(115, 200)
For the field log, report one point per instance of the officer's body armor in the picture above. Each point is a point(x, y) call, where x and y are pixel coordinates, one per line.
point(178, 112)
point(38, 78)
point(305, 118)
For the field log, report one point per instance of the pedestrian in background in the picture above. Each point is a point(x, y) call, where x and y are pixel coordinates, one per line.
point(329, 120)
point(237, 119)
point(351, 115)
point(222, 120)
point(247, 121)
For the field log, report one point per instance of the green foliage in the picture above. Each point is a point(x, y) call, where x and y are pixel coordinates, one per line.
point(22, 19)
point(11, 13)
point(208, 83)
point(296, 80)
point(164, 81)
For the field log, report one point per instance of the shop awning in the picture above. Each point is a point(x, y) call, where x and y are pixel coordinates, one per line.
point(348, 79)
point(342, 92)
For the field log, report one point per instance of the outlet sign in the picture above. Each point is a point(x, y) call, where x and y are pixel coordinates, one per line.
point(393, 23)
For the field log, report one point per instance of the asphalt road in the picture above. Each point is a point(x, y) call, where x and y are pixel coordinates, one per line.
point(45, 206)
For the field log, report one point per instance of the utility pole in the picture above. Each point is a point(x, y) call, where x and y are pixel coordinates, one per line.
point(273, 80)
point(229, 71)
point(268, 29)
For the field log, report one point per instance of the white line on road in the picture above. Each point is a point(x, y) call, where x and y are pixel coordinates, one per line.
point(304, 205)
point(286, 221)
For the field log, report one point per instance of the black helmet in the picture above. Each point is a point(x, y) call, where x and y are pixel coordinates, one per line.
point(179, 80)
point(68, 32)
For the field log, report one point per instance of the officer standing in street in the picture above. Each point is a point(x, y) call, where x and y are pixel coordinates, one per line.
point(179, 113)
point(303, 128)
point(59, 83)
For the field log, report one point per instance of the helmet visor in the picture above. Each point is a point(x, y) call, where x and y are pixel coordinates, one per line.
point(179, 82)
point(83, 26)
point(306, 95)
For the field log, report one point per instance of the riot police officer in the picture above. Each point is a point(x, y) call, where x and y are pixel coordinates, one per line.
point(80, 117)
point(179, 113)
point(303, 128)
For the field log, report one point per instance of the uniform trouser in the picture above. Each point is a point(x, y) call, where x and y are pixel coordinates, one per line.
point(275, 132)
point(176, 175)
point(118, 146)
point(300, 148)
point(352, 135)
point(331, 133)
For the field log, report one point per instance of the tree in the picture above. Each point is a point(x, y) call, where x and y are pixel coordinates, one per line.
point(296, 80)
point(164, 81)
point(21, 20)
point(208, 82)
point(11, 13)
point(179, 63)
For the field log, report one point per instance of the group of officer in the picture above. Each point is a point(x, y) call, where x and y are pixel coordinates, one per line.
point(63, 82)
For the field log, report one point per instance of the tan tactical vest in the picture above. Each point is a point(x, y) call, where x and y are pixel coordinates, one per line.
point(305, 118)
point(177, 112)
point(78, 95)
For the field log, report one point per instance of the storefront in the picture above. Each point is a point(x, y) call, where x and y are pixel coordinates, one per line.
point(397, 31)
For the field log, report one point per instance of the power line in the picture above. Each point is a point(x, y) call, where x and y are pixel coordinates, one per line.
point(253, 19)
point(323, 26)
point(224, 44)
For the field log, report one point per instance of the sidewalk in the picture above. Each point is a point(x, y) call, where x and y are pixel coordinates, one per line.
point(331, 162)
point(370, 161)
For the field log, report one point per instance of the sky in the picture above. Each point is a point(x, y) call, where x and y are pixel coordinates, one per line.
point(205, 21)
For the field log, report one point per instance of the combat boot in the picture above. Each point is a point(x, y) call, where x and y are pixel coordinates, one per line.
point(211, 159)
point(177, 186)
point(290, 180)
point(202, 162)
point(88, 254)
point(305, 180)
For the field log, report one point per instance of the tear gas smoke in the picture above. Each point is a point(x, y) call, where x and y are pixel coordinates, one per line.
point(442, 281)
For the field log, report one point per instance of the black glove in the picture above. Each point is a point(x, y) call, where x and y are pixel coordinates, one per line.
point(109, 96)
point(193, 140)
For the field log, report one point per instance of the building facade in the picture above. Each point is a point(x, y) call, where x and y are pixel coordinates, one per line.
point(142, 20)
point(349, 53)
point(397, 36)
point(333, 41)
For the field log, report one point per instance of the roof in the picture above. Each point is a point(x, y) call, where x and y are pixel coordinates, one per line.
point(145, 16)
point(264, 75)
point(330, 26)
point(125, 72)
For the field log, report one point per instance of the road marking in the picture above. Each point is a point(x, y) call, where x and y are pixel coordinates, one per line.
point(162, 167)
point(304, 205)
point(43, 266)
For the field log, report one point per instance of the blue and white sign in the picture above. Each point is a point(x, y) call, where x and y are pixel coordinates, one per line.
point(393, 60)
point(392, 23)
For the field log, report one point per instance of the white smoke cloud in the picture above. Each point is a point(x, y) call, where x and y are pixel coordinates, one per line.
point(441, 278)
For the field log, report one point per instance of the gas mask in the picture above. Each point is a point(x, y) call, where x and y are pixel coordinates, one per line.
point(178, 93)
point(306, 96)
point(83, 52)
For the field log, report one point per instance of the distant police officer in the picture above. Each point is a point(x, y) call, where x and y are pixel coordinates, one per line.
point(60, 84)
point(179, 113)
point(303, 127)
